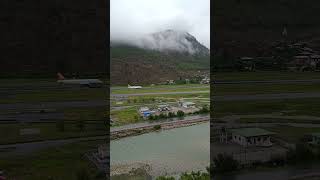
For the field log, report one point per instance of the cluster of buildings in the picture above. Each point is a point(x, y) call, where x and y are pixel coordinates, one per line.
point(185, 106)
point(303, 58)
point(257, 137)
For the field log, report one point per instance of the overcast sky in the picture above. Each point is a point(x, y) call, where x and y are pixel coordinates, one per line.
point(130, 19)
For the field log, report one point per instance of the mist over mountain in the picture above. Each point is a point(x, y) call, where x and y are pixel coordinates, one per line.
point(167, 41)
point(157, 57)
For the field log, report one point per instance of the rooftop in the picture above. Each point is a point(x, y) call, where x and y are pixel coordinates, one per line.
point(251, 132)
point(188, 103)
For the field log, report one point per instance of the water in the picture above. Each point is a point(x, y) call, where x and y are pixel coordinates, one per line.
point(168, 152)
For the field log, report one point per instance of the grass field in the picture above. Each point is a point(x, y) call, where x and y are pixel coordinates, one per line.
point(57, 163)
point(308, 106)
point(292, 134)
point(277, 120)
point(153, 90)
point(126, 116)
point(239, 89)
point(11, 132)
point(56, 95)
point(87, 114)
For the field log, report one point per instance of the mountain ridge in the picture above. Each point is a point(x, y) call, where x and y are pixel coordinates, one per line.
point(152, 61)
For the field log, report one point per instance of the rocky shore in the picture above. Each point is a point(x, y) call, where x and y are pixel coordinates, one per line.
point(153, 128)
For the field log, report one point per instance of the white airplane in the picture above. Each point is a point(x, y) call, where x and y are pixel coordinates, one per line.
point(82, 82)
point(134, 87)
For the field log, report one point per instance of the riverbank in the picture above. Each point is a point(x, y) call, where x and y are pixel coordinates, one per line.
point(168, 152)
point(134, 131)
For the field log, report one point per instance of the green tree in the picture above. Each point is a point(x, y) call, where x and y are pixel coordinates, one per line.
point(195, 176)
point(162, 116)
point(165, 178)
point(204, 109)
point(180, 113)
point(155, 117)
point(171, 115)
point(151, 117)
point(225, 163)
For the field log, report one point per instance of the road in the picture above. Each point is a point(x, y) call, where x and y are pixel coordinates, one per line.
point(30, 147)
point(266, 96)
point(148, 124)
point(54, 105)
point(158, 93)
point(294, 81)
point(31, 117)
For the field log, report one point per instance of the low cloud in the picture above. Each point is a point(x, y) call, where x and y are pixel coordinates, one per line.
point(132, 21)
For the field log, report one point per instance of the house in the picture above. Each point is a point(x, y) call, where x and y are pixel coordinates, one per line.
point(205, 80)
point(188, 104)
point(251, 137)
point(145, 112)
point(163, 107)
point(170, 82)
point(144, 109)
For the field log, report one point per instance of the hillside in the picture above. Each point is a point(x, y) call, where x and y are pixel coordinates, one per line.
point(252, 28)
point(146, 63)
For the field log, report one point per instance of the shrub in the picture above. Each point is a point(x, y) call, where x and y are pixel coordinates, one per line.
point(162, 116)
point(171, 115)
point(157, 127)
point(165, 178)
point(180, 113)
point(151, 117)
point(302, 153)
point(225, 163)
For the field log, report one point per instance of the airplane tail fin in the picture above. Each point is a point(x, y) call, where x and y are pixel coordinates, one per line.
point(129, 85)
point(60, 76)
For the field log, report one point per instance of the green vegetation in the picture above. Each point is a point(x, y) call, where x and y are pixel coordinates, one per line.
point(180, 114)
point(63, 162)
point(155, 57)
point(224, 163)
point(199, 175)
point(307, 106)
point(125, 116)
point(160, 90)
point(239, 89)
point(58, 130)
point(87, 113)
point(157, 127)
point(292, 134)
point(56, 95)
point(302, 153)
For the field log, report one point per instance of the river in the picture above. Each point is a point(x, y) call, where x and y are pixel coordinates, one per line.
point(168, 152)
